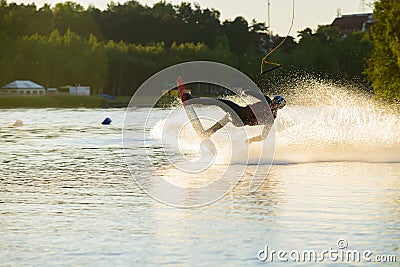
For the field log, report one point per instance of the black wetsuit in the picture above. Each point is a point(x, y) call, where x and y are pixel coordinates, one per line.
point(254, 114)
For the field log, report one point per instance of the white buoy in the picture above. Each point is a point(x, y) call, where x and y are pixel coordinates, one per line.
point(18, 123)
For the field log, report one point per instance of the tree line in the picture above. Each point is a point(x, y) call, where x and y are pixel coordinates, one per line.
point(383, 68)
point(116, 49)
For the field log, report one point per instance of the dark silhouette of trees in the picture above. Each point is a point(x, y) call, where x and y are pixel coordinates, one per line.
point(384, 65)
point(116, 49)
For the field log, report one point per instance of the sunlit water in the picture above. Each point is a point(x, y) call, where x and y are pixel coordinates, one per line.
point(67, 198)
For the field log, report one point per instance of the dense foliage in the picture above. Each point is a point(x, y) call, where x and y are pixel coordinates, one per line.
point(116, 49)
point(384, 65)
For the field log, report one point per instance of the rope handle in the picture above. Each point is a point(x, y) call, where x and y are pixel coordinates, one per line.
point(276, 65)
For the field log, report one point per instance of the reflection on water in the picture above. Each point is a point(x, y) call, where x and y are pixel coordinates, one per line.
point(67, 197)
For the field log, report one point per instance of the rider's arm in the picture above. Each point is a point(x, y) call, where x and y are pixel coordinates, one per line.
point(261, 137)
point(258, 95)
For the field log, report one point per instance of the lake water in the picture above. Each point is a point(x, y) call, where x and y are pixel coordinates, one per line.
point(67, 197)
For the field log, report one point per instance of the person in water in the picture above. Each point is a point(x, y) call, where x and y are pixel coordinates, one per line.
point(263, 112)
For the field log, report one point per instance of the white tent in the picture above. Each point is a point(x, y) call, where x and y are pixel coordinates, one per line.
point(79, 90)
point(24, 88)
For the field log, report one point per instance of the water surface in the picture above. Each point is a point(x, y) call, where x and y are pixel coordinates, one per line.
point(67, 197)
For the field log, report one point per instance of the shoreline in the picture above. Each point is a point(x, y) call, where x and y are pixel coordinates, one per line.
point(62, 101)
point(70, 101)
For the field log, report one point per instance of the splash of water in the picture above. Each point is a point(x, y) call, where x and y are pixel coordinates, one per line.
point(323, 121)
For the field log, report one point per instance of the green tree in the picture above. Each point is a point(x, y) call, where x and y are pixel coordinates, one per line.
point(17, 19)
point(384, 64)
point(352, 54)
point(237, 32)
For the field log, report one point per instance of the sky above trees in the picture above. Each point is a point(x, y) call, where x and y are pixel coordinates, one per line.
point(309, 13)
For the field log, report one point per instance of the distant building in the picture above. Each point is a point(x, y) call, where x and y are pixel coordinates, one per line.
point(74, 90)
point(173, 92)
point(169, 90)
point(23, 88)
point(349, 24)
point(198, 89)
point(52, 91)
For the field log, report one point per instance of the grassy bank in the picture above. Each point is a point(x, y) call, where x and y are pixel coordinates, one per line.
point(61, 101)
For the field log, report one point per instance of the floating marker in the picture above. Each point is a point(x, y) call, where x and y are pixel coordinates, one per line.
point(18, 123)
point(106, 121)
